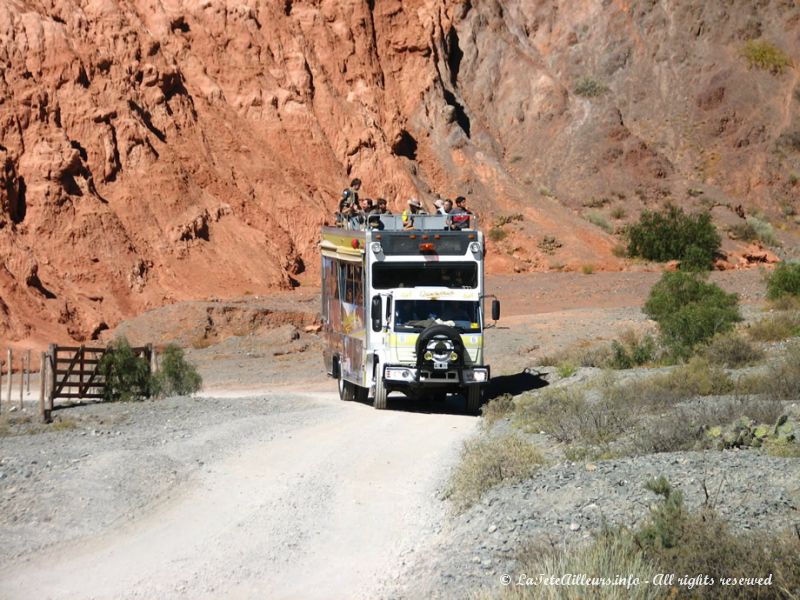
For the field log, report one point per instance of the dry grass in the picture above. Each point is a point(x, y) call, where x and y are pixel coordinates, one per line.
point(732, 350)
point(489, 461)
point(672, 540)
point(567, 415)
point(775, 327)
point(497, 409)
point(584, 354)
point(26, 424)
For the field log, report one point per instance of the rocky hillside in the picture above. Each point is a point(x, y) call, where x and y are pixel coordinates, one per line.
point(159, 151)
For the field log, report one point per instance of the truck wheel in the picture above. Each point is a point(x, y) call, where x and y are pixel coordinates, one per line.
point(360, 393)
point(380, 393)
point(473, 399)
point(345, 388)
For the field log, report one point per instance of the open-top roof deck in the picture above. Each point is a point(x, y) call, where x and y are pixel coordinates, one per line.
point(437, 222)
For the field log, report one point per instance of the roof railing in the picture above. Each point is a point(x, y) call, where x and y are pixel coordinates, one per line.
point(419, 222)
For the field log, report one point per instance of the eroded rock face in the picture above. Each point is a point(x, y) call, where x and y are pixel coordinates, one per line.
point(158, 151)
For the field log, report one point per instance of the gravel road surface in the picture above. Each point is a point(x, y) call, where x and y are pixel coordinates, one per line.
point(309, 496)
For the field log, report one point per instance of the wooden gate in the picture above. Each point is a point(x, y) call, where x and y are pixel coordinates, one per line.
point(74, 376)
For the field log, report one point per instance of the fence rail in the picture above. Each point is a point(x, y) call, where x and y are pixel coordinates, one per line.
point(65, 372)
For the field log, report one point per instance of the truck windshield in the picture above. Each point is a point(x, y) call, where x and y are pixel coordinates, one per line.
point(404, 275)
point(416, 315)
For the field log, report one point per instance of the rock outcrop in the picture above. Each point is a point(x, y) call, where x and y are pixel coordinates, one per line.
point(157, 151)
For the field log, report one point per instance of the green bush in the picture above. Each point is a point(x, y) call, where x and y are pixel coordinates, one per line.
point(784, 281)
point(690, 311)
point(176, 376)
point(674, 235)
point(126, 375)
point(632, 351)
point(763, 55)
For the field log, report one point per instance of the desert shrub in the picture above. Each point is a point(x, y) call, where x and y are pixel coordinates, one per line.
point(587, 269)
point(546, 192)
point(568, 416)
point(176, 376)
point(697, 425)
point(581, 354)
point(506, 219)
point(606, 556)
point(497, 408)
point(765, 56)
point(690, 311)
point(674, 235)
point(590, 88)
point(566, 369)
point(681, 541)
point(632, 350)
point(732, 350)
point(782, 379)
point(549, 244)
point(699, 378)
point(618, 212)
point(497, 234)
point(489, 461)
point(776, 327)
point(126, 375)
point(596, 218)
point(597, 202)
point(672, 539)
point(620, 250)
point(784, 281)
point(764, 231)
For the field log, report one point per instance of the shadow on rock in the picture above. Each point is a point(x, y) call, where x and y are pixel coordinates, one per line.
point(515, 384)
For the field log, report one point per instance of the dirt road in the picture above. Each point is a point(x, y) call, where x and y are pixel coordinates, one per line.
point(319, 505)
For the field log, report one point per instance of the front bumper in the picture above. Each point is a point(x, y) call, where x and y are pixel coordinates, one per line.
point(405, 375)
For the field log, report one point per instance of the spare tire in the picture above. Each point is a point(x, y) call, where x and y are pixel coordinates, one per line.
point(447, 336)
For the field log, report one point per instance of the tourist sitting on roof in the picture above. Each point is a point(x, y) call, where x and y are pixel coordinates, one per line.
point(414, 208)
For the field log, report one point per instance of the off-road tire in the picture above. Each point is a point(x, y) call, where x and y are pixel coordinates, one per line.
point(361, 394)
point(473, 396)
point(346, 389)
point(381, 394)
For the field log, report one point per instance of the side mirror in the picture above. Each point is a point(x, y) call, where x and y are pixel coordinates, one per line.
point(375, 314)
point(495, 309)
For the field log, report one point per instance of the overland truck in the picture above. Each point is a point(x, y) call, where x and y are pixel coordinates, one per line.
point(402, 309)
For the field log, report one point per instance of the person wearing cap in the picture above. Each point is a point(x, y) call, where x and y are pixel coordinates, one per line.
point(439, 204)
point(414, 208)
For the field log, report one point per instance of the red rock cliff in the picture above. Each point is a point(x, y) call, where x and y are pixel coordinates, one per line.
point(158, 151)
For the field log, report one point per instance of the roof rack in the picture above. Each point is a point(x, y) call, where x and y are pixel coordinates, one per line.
point(436, 222)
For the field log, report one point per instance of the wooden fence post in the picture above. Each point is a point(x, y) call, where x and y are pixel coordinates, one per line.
point(148, 350)
point(52, 355)
point(28, 372)
point(44, 412)
point(10, 377)
point(21, 378)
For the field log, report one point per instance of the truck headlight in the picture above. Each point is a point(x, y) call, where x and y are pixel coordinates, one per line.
point(453, 357)
point(475, 247)
point(376, 247)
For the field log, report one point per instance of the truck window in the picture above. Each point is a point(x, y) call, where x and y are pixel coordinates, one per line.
point(405, 275)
